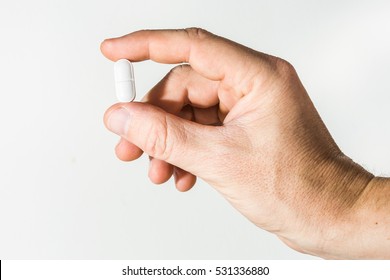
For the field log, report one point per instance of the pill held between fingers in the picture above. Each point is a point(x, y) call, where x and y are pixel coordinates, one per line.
point(124, 80)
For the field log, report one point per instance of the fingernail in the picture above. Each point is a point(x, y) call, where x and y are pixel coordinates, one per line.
point(118, 121)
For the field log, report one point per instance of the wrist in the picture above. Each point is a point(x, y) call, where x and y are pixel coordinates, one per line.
point(348, 185)
point(332, 191)
point(369, 229)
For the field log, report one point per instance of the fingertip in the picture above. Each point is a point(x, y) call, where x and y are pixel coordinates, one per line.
point(184, 186)
point(159, 171)
point(184, 181)
point(108, 112)
point(106, 48)
point(127, 151)
point(103, 46)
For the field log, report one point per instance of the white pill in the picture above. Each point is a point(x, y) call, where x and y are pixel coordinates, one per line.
point(124, 80)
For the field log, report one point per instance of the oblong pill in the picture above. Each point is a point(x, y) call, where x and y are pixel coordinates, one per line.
point(124, 80)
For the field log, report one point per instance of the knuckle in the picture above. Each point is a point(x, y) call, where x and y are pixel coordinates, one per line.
point(157, 143)
point(284, 68)
point(289, 82)
point(180, 71)
point(196, 33)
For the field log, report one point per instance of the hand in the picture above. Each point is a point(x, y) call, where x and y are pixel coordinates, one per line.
point(242, 121)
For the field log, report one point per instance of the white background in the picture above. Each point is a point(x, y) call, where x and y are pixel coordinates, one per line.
point(63, 193)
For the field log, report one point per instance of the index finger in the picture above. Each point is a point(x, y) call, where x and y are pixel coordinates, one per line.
point(212, 56)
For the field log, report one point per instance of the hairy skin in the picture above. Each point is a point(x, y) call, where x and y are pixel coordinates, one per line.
point(242, 121)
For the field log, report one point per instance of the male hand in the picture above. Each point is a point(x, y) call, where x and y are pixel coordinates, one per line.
point(242, 121)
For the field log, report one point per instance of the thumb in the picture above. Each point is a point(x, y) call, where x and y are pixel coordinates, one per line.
point(164, 136)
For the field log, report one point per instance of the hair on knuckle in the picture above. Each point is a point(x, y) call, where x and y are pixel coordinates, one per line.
point(196, 32)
